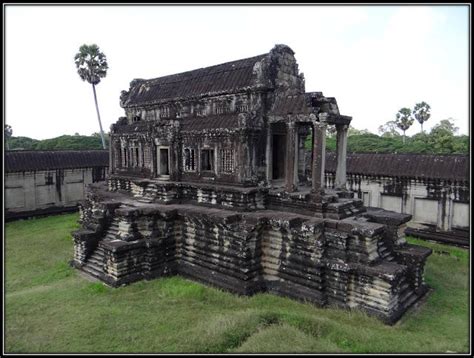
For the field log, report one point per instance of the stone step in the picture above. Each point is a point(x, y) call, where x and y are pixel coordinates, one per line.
point(95, 263)
point(98, 250)
point(92, 270)
point(384, 252)
point(389, 258)
point(98, 260)
point(145, 200)
point(405, 293)
point(113, 229)
point(94, 266)
point(412, 298)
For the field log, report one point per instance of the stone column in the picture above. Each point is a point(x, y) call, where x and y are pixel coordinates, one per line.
point(140, 155)
point(290, 158)
point(323, 154)
point(341, 153)
point(242, 156)
point(112, 149)
point(296, 160)
point(317, 162)
point(268, 155)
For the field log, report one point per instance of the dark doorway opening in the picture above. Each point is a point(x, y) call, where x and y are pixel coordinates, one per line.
point(207, 160)
point(164, 162)
point(278, 160)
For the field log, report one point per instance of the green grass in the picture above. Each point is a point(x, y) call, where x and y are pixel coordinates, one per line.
point(50, 307)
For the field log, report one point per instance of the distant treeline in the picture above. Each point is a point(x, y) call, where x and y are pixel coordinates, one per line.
point(438, 141)
point(435, 143)
point(64, 142)
point(419, 144)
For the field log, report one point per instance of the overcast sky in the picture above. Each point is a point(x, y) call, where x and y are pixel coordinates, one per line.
point(373, 59)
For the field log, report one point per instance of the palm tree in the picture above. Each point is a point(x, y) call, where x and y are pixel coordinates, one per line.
point(92, 66)
point(404, 120)
point(8, 133)
point(422, 113)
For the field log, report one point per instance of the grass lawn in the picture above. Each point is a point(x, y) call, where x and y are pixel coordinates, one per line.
point(50, 307)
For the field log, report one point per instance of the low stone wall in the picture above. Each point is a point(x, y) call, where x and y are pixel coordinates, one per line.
point(43, 192)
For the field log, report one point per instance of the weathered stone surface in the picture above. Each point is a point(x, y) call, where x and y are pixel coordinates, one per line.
point(205, 183)
point(325, 261)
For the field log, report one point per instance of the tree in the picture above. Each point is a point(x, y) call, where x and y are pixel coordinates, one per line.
point(445, 126)
point(8, 133)
point(354, 131)
point(442, 139)
point(330, 131)
point(422, 113)
point(404, 120)
point(91, 66)
point(389, 129)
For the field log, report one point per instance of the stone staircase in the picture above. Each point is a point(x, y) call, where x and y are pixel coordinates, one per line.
point(94, 264)
point(406, 296)
point(150, 192)
point(113, 230)
point(384, 252)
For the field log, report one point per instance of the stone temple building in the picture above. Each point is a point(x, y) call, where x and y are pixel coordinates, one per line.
point(204, 182)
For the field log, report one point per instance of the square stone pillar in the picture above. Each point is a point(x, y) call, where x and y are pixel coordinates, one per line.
point(173, 162)
point(112, 155)
point(140, 155)
point(318, 151)
point(341, 154)
point(268, 155)
point(323, 154)
point(296, 159)
point(120, 146)
point(290, 184)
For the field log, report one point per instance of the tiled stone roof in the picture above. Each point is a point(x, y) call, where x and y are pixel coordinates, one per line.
point(227, 77)
point(430, 166)
point(29, 160)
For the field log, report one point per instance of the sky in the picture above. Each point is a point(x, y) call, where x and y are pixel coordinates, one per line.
point(373, 59)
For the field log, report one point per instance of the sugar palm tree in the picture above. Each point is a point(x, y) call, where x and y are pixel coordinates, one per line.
point(91, 66)
point(8, 134)
point(404, 120)
point(422, 113)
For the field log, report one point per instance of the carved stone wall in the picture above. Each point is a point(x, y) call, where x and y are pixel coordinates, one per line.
point(358, 262)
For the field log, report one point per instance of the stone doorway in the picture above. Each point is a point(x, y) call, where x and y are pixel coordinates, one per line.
point(278, 156)
point(163, 162)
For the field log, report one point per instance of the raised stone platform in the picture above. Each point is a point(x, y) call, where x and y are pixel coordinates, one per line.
point(361, 261)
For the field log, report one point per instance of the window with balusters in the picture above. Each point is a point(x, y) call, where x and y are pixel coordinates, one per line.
point(227, 160)
point(189, 160)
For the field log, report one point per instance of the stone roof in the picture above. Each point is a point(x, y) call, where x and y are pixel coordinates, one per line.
point(429, 166)
point(226, 77)
point(29, 160)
